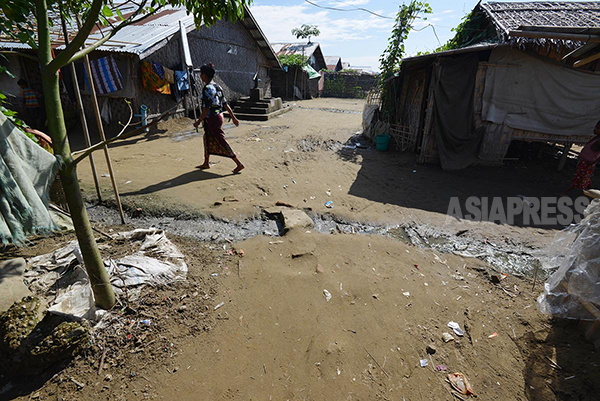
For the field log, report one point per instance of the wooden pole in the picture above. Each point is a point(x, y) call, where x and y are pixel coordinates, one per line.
point(555, 35)
point(86, 133)
point(586, 60)
point(90, 78)
point(565, 155)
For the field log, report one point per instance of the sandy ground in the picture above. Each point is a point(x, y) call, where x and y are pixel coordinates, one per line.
point(276, 337)
point(299, 158)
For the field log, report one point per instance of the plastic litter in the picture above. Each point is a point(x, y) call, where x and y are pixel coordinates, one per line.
point(146, 322)
point(329, 205)
point(456, 328)
point(459, 382)
point(327, 295)
point(424, 363)
point(214, 274)
point(574, 256)
point(156, 262)
point(441, 368)
point(406, 294)
point(219, 305)
point(447, 337)
point(494, 334)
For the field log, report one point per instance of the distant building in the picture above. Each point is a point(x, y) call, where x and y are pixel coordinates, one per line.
point(311, 50)
point(334, 63)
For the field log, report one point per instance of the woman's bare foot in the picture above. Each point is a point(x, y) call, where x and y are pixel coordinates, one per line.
point(239, 168)
point(204, 166)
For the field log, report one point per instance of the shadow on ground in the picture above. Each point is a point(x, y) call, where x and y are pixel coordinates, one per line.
point(560, 365)
point(396, 178)
point(186, 178)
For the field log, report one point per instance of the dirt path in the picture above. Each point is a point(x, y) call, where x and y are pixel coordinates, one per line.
point(299, 158)
point(259, 327)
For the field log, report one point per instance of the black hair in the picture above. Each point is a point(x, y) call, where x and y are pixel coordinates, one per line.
point(208, 70)
point(22, 82)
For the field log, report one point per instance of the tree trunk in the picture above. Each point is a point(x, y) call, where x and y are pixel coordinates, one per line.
point(101, 287)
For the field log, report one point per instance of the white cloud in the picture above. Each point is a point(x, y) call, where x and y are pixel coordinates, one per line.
point(278, 21)
point(349, 2)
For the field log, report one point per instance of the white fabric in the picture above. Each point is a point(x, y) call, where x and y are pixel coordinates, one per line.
point(540, 96)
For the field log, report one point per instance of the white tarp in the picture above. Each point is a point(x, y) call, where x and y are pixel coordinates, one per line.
point(157, 262)
point(528, 93)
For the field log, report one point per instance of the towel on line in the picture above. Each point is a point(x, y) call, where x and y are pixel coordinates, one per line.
point(107, 76)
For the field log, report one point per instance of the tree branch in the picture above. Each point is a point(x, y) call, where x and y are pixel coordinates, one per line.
point(106, 38)
point(78, 41)
point(37, 60)
point(82, 154)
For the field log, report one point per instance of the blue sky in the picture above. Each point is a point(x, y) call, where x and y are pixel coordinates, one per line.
point(356, 36)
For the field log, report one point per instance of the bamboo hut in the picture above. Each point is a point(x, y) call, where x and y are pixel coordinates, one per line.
point(523, 71)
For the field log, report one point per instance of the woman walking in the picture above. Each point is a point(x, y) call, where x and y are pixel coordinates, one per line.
point(213, 103)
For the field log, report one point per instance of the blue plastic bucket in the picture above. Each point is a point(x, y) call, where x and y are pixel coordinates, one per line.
point(382, 142)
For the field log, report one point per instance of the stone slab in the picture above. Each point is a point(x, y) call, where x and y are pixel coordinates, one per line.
point(12, 287)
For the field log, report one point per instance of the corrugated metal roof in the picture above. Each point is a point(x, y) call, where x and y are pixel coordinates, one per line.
point(295, 48)
point(140, 38)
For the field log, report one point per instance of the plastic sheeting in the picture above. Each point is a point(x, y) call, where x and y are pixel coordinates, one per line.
point(529, 93)
point(156, 262)
point(573, 291)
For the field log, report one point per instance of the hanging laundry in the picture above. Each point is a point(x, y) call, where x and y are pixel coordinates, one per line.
point(152, 82)
point(169, 75)
point(159, 70)
point(107, 76)
point(181, 78)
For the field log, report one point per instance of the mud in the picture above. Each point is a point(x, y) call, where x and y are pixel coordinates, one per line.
point(507, 256)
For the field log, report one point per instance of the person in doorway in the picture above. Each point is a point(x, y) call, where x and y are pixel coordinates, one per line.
point(213, 103)
point(30, 103)
point(588, 157)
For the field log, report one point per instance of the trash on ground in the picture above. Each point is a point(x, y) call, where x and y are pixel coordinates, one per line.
point(214, 274)
point(431, 349)
point(406, 294)
point(156, 262)
point(457, 330)
point(327, 295)
point(219, 305)
point(459, 382)
point(447, 337)
point(442, 368)
point(424, 363)
point(494, 334)
point(329, 205)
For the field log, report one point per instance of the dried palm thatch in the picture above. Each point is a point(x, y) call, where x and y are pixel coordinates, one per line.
point(510, 16)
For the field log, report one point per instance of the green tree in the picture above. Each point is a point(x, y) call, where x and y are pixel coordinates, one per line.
point(306, 31)
point(28, 21)
point(391, 58)
point(293, 60)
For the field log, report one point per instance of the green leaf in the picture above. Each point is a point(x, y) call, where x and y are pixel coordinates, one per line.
point(107, 12)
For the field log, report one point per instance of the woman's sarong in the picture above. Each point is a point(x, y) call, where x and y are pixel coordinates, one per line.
point(583, 177)
point(214, 137)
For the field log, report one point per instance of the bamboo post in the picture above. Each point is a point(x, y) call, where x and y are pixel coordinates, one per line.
point(94, 97)
point(565, 155)
point(86, 133)
point(102, 136)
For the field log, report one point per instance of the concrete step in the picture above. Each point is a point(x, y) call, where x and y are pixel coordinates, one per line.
point(261, 117)
point(252, 110)
point(250, 103)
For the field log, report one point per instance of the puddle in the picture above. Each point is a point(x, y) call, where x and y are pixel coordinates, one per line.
point(506, 257)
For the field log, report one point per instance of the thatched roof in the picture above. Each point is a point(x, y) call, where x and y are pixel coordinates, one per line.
point(506, 17)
